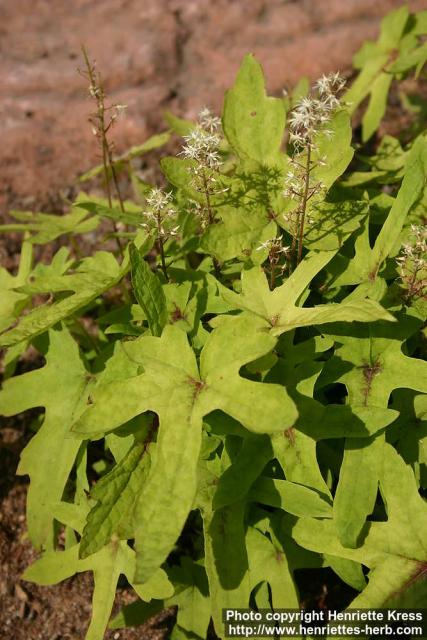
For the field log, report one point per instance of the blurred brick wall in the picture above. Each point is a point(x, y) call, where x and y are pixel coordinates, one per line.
point(154, 54)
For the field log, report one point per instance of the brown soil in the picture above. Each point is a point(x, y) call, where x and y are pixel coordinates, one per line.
point(60, 612)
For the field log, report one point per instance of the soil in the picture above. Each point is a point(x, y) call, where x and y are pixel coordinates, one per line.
point(31, 612)
point(155, 55)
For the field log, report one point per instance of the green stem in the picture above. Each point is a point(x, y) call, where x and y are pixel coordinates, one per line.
point(304, 205)
point(163, 260)
point(211, 219)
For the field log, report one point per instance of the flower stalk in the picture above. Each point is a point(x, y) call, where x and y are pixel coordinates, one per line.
point(412, 265)
point(157, 220)
point(102, 121)
point(308, 120)
point(275, 252)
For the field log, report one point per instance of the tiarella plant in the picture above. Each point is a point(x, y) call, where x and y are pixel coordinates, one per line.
point(240, 392)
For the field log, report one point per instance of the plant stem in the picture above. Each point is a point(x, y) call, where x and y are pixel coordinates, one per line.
point(208, 198)
point(411, 286)
point(272, 276)
point(116, 182)
point(211, 219)
point(162, 259)
point(160, 245)
point(301, 217)
point(102, 129)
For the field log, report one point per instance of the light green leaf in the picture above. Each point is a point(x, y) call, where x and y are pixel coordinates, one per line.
point(357, 488)
point(411, 190)
point(92, 277)
point(252, 122)
point(410, 59)
point(172, 387)
point(367, 262)
point(133, 218)
point(236, 481)
point(107, 565)
point(53, 567)
point(336, 147)
point(279, 307)
point(376, 63)
point(261, 408)
point(177, 171)
point(295, 448)
point(333, 223)
point(371, 363)
point(12, 302)
point(238, 234)
point(375, 366)
point(393, 28)
point(49, 456)
point(268, 562)
point(226, 561)
point(116, 493)
point(361, 86)
point(48, 227)
point(377, 105)
point(291, 497)
point(349, 571)
point(135, 614)
point(179, 125)
point(296, 454)
point(395, 550)
point(192, 597)
point(148, 291)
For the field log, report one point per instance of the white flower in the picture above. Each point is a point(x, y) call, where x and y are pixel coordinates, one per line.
point(94, 91)
point(158, 199)
point(412, 264)
point(118, 111)
point(208, 121)
point(159, 211)
point(306, 104)
point(323, 85)
point(297, 139)
point(330, 84)
point(311, 113)
point(264, 245)
point(202, 146)
point(299, 119)
point(272, 245)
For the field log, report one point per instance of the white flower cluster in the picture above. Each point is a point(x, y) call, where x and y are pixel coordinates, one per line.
point(313, 112)
point(208, 121)
point(412, 263)
point(159, 214)
point(278, 258)
point(295, 182)
point(309, 118)
point(200, 212)
point(202, 146)
point(202, 143)
point(274, 245)
point(418, 249)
